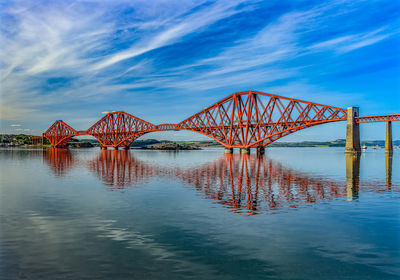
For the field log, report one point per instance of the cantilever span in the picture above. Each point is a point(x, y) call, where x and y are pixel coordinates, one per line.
point(249, 119)
point(119, 129)
point(59, 134)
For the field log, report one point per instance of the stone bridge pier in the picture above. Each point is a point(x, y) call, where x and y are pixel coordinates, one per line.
point(388, 142)
point(246, 151)
point(353, 130)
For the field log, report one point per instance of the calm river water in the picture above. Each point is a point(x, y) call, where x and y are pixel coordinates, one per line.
point(294, 213)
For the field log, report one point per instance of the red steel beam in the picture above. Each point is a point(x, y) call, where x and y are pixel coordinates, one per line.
point(242, 120)
point(381, 118)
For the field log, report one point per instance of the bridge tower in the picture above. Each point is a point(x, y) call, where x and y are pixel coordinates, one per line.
point(353, 131)
point(388, 142)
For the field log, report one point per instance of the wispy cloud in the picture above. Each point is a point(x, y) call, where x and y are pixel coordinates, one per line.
point(174, 31)
point(264, 56)
point(74, 60)
point(73, 42)
point(352, 42)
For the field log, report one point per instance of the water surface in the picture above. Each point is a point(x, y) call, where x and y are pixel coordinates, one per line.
point(294, 213)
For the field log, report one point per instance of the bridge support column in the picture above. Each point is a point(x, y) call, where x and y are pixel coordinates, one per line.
point(352, 132)
point(126, 147)
point(116, 148)
point(260, 150)
point(228, 150)
point(389, 143)
point(102, 147)
point(245, 151)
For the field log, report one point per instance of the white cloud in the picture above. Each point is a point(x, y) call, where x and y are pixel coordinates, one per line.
point(355, 41)
point(174, 32)
point(100, 56)
point(55, 39)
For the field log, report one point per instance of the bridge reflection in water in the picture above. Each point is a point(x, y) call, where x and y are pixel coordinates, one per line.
point(241, 182)
point(352, 175)
point(60, 160)
point(388, 168)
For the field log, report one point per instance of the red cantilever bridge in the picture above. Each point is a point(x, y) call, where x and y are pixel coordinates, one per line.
point(244, 120)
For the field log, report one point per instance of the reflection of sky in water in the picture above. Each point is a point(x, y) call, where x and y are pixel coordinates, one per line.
point(60, 221)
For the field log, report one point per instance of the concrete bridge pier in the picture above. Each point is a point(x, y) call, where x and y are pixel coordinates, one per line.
point(228, 150)
point(126, 147)
point(245, 151)
point(353, 131)
point(103, 147)
point(388, 142)
point(352, 175)
point(260, 151)
point(116, 148)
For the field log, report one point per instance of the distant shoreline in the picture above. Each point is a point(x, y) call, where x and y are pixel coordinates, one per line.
point(23, 140)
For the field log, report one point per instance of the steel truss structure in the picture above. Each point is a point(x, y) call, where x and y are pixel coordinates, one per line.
point(247, 119)
point(382, 118)
point(59, 134)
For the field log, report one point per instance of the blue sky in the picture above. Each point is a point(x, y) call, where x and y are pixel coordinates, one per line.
point(163, 61)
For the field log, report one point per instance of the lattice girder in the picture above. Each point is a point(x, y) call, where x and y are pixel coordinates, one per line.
point(59, 134)
point(254, 119)
point(242, 120)
point(117, 128)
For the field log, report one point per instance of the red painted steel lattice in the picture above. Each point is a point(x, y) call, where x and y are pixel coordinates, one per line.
point(119, 129)
point(59, 134)
point(382, 118)
point(242, 120)
point(255, 119)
